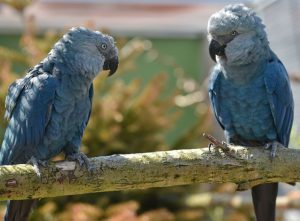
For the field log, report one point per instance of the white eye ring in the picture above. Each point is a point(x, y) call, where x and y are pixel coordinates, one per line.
point(234, 33)
point(103, 46)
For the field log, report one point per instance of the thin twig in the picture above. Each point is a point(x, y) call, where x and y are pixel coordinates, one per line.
point(217, 144)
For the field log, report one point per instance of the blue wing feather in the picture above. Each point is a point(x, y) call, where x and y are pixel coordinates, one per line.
point(91, 94)
point(28, 106)
point(213, 91)
point(280, 99)
point(13, 93)
point(85, 122)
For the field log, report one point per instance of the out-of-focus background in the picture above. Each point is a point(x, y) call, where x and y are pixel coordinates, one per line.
point(156, 101)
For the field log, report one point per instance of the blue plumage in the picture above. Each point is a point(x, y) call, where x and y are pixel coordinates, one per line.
point(49, 108)
point(281, 101)
point(261, 110)
point(249, 91)
point(29, 110)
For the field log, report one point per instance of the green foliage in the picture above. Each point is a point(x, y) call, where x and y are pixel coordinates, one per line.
point(6, 77)
point(128, 118)
point(295, 138)
point(17, 4)
point(128, 211)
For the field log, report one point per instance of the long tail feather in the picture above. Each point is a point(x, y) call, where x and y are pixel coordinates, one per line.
point(264, 200)
point(18, 210)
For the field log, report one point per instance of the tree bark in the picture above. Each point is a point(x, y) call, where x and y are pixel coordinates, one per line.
point(246, 167)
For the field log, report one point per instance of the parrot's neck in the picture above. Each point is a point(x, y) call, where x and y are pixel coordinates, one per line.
point(78, 84)
point(241, 65)
point(243, 74)
point(76, 78)
point(81, 67)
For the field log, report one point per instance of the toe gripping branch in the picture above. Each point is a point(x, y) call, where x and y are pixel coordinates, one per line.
point(215, 143)
point(36, 163)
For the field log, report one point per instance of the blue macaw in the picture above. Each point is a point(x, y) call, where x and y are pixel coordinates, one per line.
point(249, 91)
point(50, 107)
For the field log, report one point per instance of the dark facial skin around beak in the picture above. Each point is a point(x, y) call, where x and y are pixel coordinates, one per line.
point(216, 49)
point(111, 65)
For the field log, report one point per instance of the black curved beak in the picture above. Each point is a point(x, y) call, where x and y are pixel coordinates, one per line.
point(111, 65)
point(215, 49)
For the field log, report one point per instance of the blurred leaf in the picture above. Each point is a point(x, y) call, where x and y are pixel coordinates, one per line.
point(119, 208)
point(19, 5)
point(189, 215)
point(236, 216)
point(295, 138)
point(216, 213)
point(128, 118)
point(80, 212)
point(157, 215)
point(8, 54)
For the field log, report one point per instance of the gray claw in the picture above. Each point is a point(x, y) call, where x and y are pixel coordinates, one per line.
point(210, 145)
point(273, 146)
point(225, 145)
point(82, 160)
point(36, 163)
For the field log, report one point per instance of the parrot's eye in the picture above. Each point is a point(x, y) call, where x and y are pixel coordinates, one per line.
point(234, 33)
point(103, 46)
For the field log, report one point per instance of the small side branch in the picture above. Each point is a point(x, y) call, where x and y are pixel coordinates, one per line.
point(217, 144)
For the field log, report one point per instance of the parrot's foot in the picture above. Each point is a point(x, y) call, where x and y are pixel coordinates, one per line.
point(36, 163)
point(82, 160)
point(273, 146)
point(223, 146)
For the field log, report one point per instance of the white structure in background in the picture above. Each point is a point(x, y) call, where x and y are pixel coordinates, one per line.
point(10, 20)
point(281, 18)
point(147, 18)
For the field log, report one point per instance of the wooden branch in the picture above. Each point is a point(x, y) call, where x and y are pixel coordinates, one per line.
point(244, 166)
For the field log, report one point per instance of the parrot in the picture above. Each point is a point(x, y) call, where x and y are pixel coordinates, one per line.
point(49, 109)
point(249, 91)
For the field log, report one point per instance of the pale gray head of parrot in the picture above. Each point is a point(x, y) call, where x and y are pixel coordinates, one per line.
point(235, 33)
point(107, 47)
point(89, 51)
